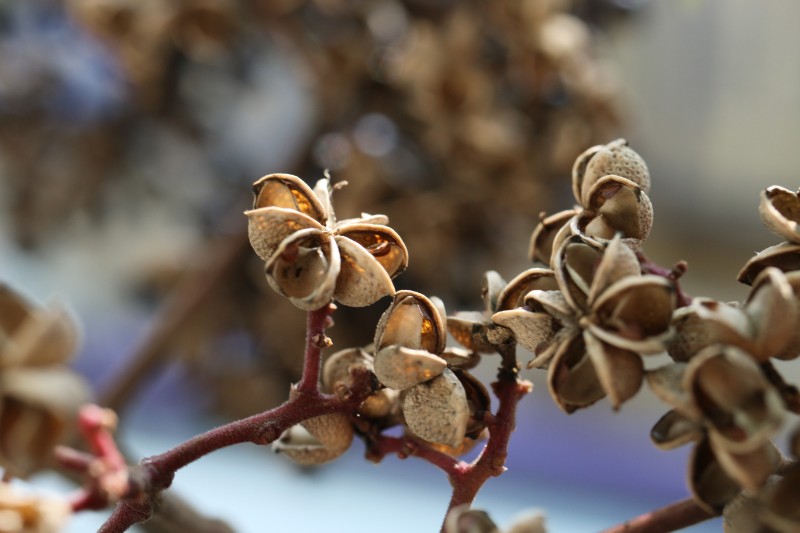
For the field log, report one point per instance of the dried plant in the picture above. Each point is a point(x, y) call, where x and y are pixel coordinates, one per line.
point(591, 313)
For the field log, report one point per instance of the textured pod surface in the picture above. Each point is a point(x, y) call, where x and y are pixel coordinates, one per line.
point(615, 158)
point(338, 366)
point(543, 238)
point(362, 280)
point(617, 205)
point(317, 440)
point(437, 410)
point(290, 192)
point(381, 242)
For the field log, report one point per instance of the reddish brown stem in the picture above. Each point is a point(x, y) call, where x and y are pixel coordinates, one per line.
point(155, 473)
point(673, 517)
point(674, 274)
point(410, 447)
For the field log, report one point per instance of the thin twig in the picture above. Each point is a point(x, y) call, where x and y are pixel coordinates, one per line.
point(673, 517)
point(180, 307)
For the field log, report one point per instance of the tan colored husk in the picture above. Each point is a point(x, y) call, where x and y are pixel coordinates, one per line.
point(288, 191)
point(544, 235)
point(780, 502)
point(784, 256)
point(478, 400)
point(437, 410)
point(773, 307)
point(705, 322)
point(47, 336)
point(619, 371)
point(338, 367)
point(362, 279)
point(304, 268)
point(530, 329)
point(24, 513)
point(618, 262)
point(634, 314)
point(666, 382)
point(400, 368)
point(317, 440)
point(741, 514)
point(381, 242)
point(617, 205)
point(735, 398)
point(674, 430)
point(780, 211)
point(712, 488)
point(492, 285)
point(36, 407)
point(574, 267)
point(614, 158)
point(579, 170)
point(413, 321)
point(749, 470)
point(462, 519)
point(267, 227)
point(572, 379)
point(513, 295)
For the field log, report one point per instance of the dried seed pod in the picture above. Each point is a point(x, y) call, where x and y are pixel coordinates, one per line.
point(338, 367)
point(741, 514)
point(462, 519)
point(619, 371)
point(667, 383)
point(772, 307)
point(437, 410)
point(674, 430)
point(34, 337)
point(400, 368)
point(711, 487)
point(531, 329)
point(362, 280)
point(413, 321)
point(25, 513)
point(706, 322)
point(572, 379)
point(478, 400)
point(304, 268)
point(290, 192)
point(780, 212)
point(784, 256)
point(382, 243)
point(317, 440)
point(492, 285)
point(616, 205)
point(614, 158)
point(780, 502)
point(513, 295)
point(36, 408)
point(734, 397)
point(544, 235)
point(749, 470)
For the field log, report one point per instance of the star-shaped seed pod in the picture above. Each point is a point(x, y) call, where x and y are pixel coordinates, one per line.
point(722, 401)
point(476, 331)
point(409, 341)
point(765, 326)
point(311, 258)
point(591, 332)
point(610, 184)
point(780, 212)
point(39, 394)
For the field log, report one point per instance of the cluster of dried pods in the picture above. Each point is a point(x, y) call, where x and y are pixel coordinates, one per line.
point(589, 314)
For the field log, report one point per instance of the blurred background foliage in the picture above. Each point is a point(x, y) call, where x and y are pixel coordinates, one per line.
point(131, 130)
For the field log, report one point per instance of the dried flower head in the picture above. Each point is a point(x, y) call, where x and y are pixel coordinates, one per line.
point(409, 342)
point(312, 258)
point(21, 513)
point(39, 394)
point(590, 333)
point(610, 183)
